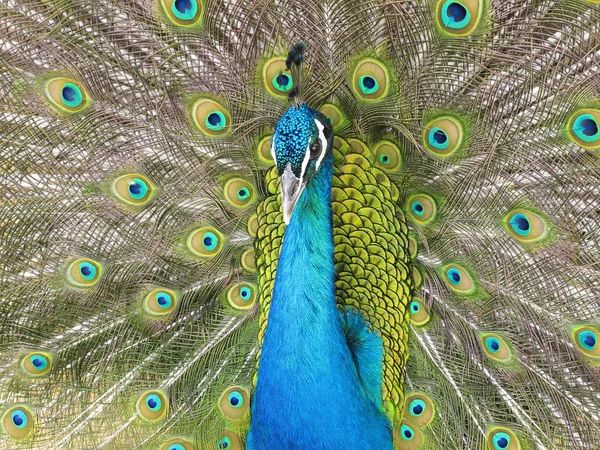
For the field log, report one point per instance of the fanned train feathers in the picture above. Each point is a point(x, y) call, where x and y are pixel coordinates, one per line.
point(140, 224)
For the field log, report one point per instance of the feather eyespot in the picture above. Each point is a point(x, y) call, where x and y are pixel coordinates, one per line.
point(133, 189)
point(459, 279)
point(184, 13)
point(211, 118)
point(205, 242)
point(229, 441)
point(387, 156)
point(443, 136)
point(66, 95)
point(413, 246)
point(419, 313)
point(417, 277)
point(527, 226)
point(407, 433)
point(152, 405)
point(239, 193)
point(83, 272)
point(264, 148)
point(334, 114)
point(370, 79)
point(283, 82)
point(18, 422)
point(416, 407)
point(459, 18)
point(277, 79)
point(495, 347)
point(252, 225)
point(249, 260)
point(160, 302)
point(584, 128)
point(234, 403)
point(500, 438)
point(586, 340)
point(422, 208)
point(36, 364)
point(224, 443)
point(418, 410)
point(242, 296)
point(410, 436)
point(177, 444)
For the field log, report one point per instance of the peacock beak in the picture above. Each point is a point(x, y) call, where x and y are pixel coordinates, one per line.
point(291, 188)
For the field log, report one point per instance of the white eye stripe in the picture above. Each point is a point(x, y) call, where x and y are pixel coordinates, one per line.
point(273, 151)
point(323, 143)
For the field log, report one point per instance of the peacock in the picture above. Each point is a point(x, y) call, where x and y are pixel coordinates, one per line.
point(300, 225)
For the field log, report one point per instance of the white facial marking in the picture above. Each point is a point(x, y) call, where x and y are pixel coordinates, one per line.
point(321, 127)
point(273, 151)
point(305, 162)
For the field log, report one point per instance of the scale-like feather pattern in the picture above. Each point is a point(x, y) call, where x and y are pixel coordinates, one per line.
point(371, 256)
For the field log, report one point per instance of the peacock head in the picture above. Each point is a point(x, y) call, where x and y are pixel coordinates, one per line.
point(302, 139)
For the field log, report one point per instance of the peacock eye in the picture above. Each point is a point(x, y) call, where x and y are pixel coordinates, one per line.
point(211, 118)
point(177, 443)
point(407, 433)
point(183, 12)
point(500, 438)
point(66, 95)
point(17, 422)
point(228, 441)
point(276, 78)
point(283, 82)
point(411, 436)
point(152, 406)
point(83, 272)
point(459, 279)
point(496, 347)
point(133, 189)
point(586, 339)
point(224, 443)
point(459, 18)
point(419, 314)
point(443, 136)
point(418, 410)
point(160, 302)
point(584, 128)
point(242, 296)
point(387, 156)
point(527, 226)
point(422, 208)
point(370, 80)
point(36, 364)
point(238, 192)
point(334, 115)
point(315, 149)
point(205, 242)
point(234, 404)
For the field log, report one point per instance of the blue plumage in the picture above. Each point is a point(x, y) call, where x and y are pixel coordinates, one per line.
point(367, 351)
point(295, 130)
point(309, 394)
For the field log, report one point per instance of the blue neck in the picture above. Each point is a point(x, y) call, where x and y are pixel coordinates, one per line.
point(308, 393)
point(304, 282)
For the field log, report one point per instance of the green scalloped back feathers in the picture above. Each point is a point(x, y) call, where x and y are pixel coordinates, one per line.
point(371, 257)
